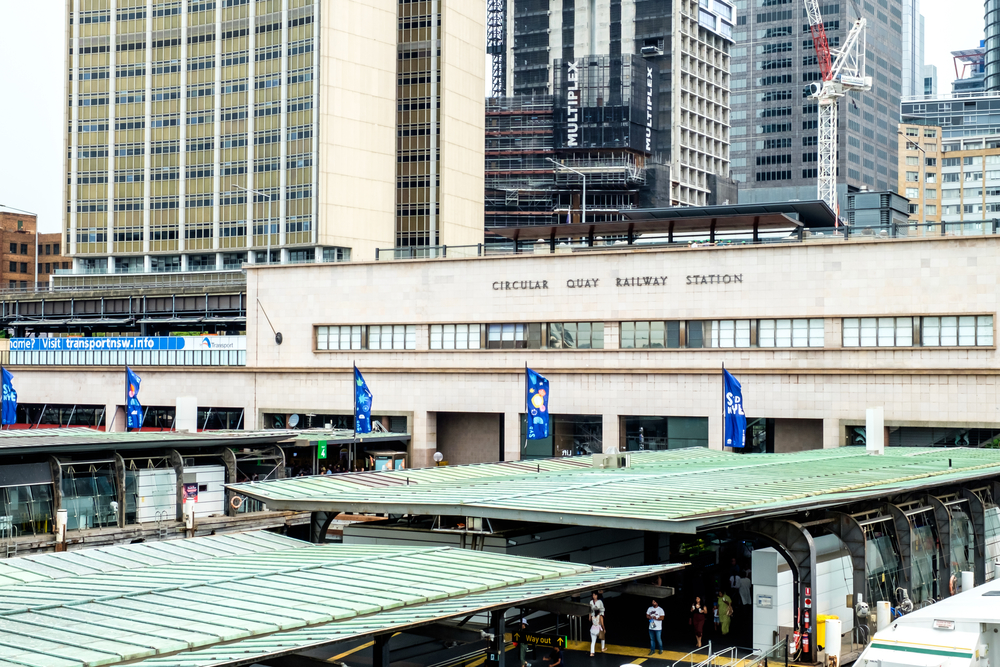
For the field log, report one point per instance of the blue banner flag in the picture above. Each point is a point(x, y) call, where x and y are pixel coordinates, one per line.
point(536, 399)
point(736, 418)
point(362, 404)
point(133, 409)
point(9, 410)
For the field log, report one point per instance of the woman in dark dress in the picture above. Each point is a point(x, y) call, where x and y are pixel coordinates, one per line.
point(699, 612)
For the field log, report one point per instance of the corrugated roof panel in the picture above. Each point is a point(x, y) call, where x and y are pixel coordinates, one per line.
point(258, 648)
point(46, 567)
point(667, 487)
point(98, 618)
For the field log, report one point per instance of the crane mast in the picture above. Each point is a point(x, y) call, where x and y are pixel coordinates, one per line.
point(842, 70)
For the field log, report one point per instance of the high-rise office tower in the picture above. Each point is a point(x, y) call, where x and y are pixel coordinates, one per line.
point(992, 45)
point(205, 133)
point(774, 133)
point(666, 60)
point(913, 49)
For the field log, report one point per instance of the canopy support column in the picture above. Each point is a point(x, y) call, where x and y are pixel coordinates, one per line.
point(794, 542)
point(977, 513)
point(380, 651)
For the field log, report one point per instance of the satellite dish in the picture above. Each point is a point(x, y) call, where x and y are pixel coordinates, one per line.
point(293, 421)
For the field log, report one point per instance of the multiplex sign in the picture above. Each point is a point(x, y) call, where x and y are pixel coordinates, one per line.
point(573, 105)
point(649, 109)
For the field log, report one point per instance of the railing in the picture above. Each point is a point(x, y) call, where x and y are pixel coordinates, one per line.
point(690, 658)
point(777, 654)
point(699, 240)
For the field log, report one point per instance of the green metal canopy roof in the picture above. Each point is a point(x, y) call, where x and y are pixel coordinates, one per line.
point(237, 599)
point(671, 491)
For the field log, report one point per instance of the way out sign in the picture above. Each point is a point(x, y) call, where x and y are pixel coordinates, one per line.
point(535, 639)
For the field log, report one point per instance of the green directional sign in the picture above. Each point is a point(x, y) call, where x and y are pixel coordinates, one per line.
point(538, 639)
point(321, 449)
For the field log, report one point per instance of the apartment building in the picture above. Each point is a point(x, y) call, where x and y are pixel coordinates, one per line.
point(19, 248)
point(204, 134)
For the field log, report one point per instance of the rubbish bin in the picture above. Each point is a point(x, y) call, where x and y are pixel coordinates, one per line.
point(821, 620)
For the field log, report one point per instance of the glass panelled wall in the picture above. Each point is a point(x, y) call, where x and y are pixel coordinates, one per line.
point(192, 131)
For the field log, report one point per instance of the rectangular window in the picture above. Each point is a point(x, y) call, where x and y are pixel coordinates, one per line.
point(24, 267)
point(650, 335)
point(13, 248)
point(790, 333)
point(375, 337)
point(878, 332)
point(339, 338)
point(727, 333)
point(957, 331)
point(576, 335)
point(455, 336)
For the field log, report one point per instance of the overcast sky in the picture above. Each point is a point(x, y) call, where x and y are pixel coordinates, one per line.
point(31, 111)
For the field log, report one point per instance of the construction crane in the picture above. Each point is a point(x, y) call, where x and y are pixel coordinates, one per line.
point(843, 71)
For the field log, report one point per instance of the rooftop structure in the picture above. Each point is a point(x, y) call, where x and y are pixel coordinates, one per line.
point(959, 115)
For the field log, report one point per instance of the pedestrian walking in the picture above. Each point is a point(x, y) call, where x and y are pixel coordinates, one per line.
point(715, 616)
point(596, 604)
point(555, 659)
point(655, 616)
point(746, 590)
point(699, 614)
point(725, 610)
point(596, 632)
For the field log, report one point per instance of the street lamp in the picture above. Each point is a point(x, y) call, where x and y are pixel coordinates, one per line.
point(268, 198)
point(923, 186)
point(35, 287)
point(583, 201)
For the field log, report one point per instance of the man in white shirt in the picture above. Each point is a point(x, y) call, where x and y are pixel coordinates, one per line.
point(655, 617)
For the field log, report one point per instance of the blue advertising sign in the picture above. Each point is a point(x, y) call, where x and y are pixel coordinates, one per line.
point(136, 343)
point(9, 404)
point(735, 417)
point(133, 409)
point(362, 404)
point(537, 401)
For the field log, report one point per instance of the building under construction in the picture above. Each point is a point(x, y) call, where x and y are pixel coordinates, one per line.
point(580, 153)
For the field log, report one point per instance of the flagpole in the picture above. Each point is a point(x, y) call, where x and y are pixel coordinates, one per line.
point(723, 406)
point(527, 414)
point(354, 399)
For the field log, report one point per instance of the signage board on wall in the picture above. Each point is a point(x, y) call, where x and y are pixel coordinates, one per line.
point(131, 343)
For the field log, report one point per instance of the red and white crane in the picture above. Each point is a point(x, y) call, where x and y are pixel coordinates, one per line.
point(843, 70)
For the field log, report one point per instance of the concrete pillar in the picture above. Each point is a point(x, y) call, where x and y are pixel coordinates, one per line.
point(833, 433)
point(424, 439)
point(114, 419)
point(512, 436)
point(610, 439)
point(715, 428)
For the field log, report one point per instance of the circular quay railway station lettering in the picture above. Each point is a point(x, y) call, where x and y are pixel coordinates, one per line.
point(630, 281)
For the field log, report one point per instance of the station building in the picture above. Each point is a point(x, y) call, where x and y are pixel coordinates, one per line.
point(818, 324)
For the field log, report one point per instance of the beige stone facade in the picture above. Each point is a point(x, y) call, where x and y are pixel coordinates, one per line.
point(843, 289)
